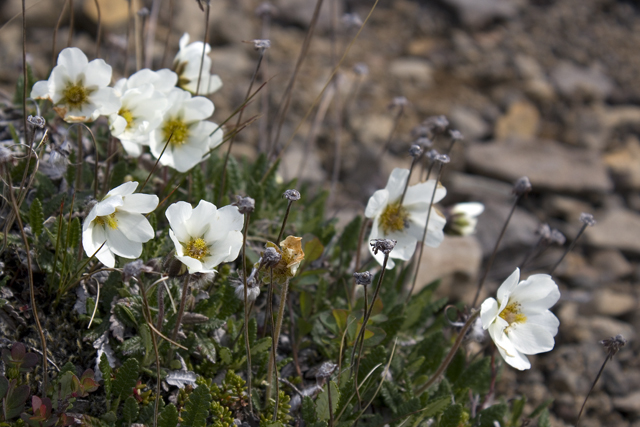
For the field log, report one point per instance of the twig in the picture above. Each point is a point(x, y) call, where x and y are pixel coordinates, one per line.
point(204, 46)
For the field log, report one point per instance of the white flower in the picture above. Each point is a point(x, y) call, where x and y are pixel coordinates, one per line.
point(187, 65)
point(191, 136)
point(462, 218)
point(520, 322)
point(117, 221)
point(205, 237)
point(78, 88)
point(405, 223)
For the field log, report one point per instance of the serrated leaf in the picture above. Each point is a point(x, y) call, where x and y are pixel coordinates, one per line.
point(476, 376)
point(168, 417)
point(194, 319)
point(308, 410)
point(130, 410)
point(206, 348)
point(196, 409)
point(181, 378)
point(436, 406)
point(541, 407)
point(126, 378)
point(544, 420)
point(74, 232)
point(36, 217)
point(147, 412)
point(516, 410)
point(322, 403)
point(261, 346)
point(487, 416)
point(118, 173)
point(225, 355)
point(451, 416)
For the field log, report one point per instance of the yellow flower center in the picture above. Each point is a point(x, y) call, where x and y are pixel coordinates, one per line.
point(196, 248)
point(512, 313)
point(177, 129)
point(394, 218)
point(76, 95)
point(127, 115)
point(109, 220)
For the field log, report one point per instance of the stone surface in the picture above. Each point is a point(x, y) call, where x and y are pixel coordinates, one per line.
point(476, 187)
point(520, 233)
point(477, 14)
point(611, 264)
point(469, 122)
point(572, 80)
point(617, 229)
point(521, 121)
point(611, 303)
point(415, 71)
point(630, 403)
point(548, 164)
point(625, 164)
point(300, 12)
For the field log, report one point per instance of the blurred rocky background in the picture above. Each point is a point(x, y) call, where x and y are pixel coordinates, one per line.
point(543, 88)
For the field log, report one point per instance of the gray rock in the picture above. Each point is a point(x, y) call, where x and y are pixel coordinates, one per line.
point(519, 234)
point(469, 122)
point(477, 14)
point(618, 229)
point(629, 403)
point(611, 264)
point(412, 70)
point(612, 303)
point(300, 12)
point(548, 164)
point(476, 187)
point(571, 80)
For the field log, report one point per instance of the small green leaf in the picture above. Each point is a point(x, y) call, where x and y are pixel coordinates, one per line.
point(74, 232)
point(206, 347)
point(452, 416)
point(105, 368)
point(544, 420)
point(261, 346)
point(487, 416)
point(322, 407)
point(126, 378)
point(308, 410)
point(313, 250)
point(516, 410)
point(36, 217)
point(196, 409)
point(168, 417)
point(541, 407)
point(130, 410)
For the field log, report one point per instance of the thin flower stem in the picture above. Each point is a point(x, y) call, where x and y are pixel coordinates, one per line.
point(95, 307)
point(25, 84)
point(233, 138)
point(204, 45)
point(284, 221)
point(153, 169)
point(363, 228)
point(246, 308)
point(495, 251)
point(168, 38)
point(406, 184)
point(569, 248)
point(271, 372)
point(98, 35)
point(139, 22)
point(294, 343)
point(265, 130)
point(154, 341)
point(128, 37)
point(151, 33)
point(71, 22)
point(530, 253)
point(591, 389)
point(183, 301)
point(424, 233)
point(337, 109)
point(396, 122)
point(80, 159)
point(456, 345)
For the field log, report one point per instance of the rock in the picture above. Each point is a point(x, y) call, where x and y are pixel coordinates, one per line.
point(521, 121)
point(476, 187)
point(572, 80)
point(113, 14)
point(548, 164)
point(290, 165)
point(476, 14)
point(611, 303)
point(519, 234)
point(373, 130)
point(469, 122)
point(630, 403)
point(300, 12)
point(618, 228)
point(418, 72)
point(611, 264)
point(567, 208)
point(456, 256)
point(596, 328)
point(625, 164)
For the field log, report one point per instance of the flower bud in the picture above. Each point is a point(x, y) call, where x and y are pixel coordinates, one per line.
point(245, 205)
point(522, 186)
point(363, 278)
point(291, 195)
point(270, 257)
point(588, 219)
point(383, 245)
point(416, 151)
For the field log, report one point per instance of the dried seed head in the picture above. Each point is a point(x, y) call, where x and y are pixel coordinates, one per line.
point(270, 257)
point(37, 121)
point(245, 205)
point(437, 124)
point(557, 237)
point(421, 131)
point(6, 155)
point(134, 268)
point(325, 370)
point(291, 195)
point(544, 231)
point(614, 344)
point(442, 158)
point(261, 44)
point(399, 101)
point(265, 8)
point(361, 69)
point(455, 135)
point(424, 142)
point(384, 245)
point(433, 154)
point(363, 278)
point(522, 186)
point(588, 219)
point(416, 151)
point(144, 12)
point(253, 292)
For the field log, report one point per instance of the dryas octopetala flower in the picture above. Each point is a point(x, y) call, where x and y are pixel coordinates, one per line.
point(206, 236)
point(187, 65)
point(291, 255)
point(78, 88)
point(191, 135)
point(143, 104)
point(462, 218)
point(519, 321)
point(405, 223)
point(116, 224)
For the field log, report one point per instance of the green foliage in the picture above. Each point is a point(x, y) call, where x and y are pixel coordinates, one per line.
point(130, 409)
point(282, 415)
point(544, 420)
point(36, 217)
point(487, 416)
point(105, 368)
point(126, 378)
point(14, 398)
point(196, 409)
point(452, 416)
point(323, 408)
point(168, 417)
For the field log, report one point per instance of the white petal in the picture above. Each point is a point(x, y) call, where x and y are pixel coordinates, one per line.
point(108, 205)
point(197, 108)
point(517, 360)
point(140, 203)
point(203, 218)
point(106, 100)
point(421, 193)
point(40, 90)
point(133, 149)
point(166, 80)
point(508, 285)
point(471, 209)
point(184, 41)
point(178, 215)
point(529, 338)
point(539, 292)
point(121, 245)
point(214, 132)
point(377, 203)
point(226, 219)
point(123, 190)
point(97, 73)
point(134, 226)
point(193, 264)
point(212, 82)
point(488, 312)
point(226, 250)
point(178, 246)
point(74, 60)
point(188, 154)
point(546, 319)
point(395, 185)
point(117, 124)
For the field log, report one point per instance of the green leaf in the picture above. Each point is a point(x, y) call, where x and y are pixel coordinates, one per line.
point(4, 386)
point(322, 407)
point(477, 376)
point(516, 410)
point(313, 250)
point(541, 407)
point(147, 342)
point(452, 416)
point(118, 173)
point(168, 417)
point(198, 188)
point(436, 406)
point(225, 355)
point(14, 133)
point(15, 400)
point(130, 410)
point(148, 410)
point(486, 417)
point(74, 232)
point(308, 410)
point(105, 368)
point(261, 346)
point(126, 378)
point(206, 348)
point(544, 420)
point(456, 366)
point(196, 409)
point(36, 217)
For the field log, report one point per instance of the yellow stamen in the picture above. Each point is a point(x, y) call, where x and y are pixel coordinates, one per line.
point(394, 218)
point(196, 248)
point(127, 115)
point(76, 95)
point(109, 220)
point(512, 313)
point(177, 129)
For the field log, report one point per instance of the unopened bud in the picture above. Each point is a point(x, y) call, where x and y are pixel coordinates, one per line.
point(261, 44)
point(363, 278)
point(292, 195)
point(416, 151)
point(245, 205)
point(455, 135)
point(522, 186)
point(37, 121)
point(614, 344)
point(383, 245)
point(588, 219)
point(270, 257)
point(436, 124)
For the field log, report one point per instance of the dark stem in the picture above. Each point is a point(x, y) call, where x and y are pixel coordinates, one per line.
point(406, 184)
point(294, 343)
point(154, 341)
point(128, 36)
point(495, 251)
point(569, 248)
point(591, 389)
point(55, 35)
point(530, 253)
point(284, 221)
point(71, 19)
point(246, 307)
point(183, 301)
point(204, 46)
point(363, 228)
point(396, 122)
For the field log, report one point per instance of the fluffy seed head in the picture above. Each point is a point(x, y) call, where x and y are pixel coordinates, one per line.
point(291, 195)
point(271, 257)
